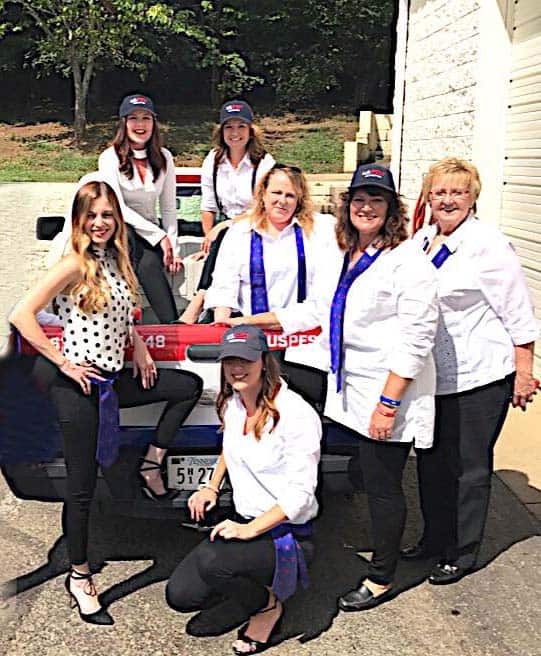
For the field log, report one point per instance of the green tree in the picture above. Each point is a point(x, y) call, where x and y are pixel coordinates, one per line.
point(76, 37)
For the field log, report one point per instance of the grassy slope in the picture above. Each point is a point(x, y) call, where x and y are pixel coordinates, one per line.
point(43, 152)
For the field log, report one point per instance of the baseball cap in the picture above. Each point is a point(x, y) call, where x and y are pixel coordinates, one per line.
point(373, 175)
point(244, 341)
point(236, 109)
point(133, 102)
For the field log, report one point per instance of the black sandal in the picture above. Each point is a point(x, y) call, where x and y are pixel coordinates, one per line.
point(256, 646)
point(100, 616)
point(169, 495)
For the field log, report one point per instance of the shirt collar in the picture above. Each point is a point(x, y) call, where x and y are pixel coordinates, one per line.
point(454, 240)
point(244, 162)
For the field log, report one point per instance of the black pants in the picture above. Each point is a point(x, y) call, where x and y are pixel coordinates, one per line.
point(382, 466)
point(455, 475)
point(236, 569)
point(79, 418)
point(205, 280)
point(147, 262)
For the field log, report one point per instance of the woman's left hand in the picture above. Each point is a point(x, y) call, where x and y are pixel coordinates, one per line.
point(381, 427)
point(524, 390)
point(175, 265)
point(143, 364)
point(229, 530)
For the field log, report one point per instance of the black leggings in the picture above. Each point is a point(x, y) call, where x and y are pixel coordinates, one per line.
point(205, 280)
point(78, 418)
point(147, 262)
point(237, 569)
point(382, 466)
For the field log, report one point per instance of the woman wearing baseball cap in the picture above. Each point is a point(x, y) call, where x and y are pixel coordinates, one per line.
point(143, 174)
point(271, 449)
point(229, 175)
point(375, 299)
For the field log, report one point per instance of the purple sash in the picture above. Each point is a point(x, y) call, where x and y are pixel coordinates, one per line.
point(338, 306)
point(258, 284)
point(108, 442)
point(290, 565)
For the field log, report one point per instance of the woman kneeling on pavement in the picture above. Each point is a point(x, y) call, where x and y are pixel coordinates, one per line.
point(94, 288)
point(484, 359)
point(375, 298)
point(271, 449)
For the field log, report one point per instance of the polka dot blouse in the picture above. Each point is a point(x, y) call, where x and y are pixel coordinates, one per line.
point(98, 337)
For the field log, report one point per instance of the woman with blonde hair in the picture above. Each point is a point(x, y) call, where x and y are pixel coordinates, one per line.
point(484, 359)
point(271, 448)
point(94, 290)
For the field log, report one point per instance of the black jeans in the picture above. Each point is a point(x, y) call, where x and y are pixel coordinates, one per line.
point(236, 569)
point(455, 474)
point(382, 467)
point(79, 418)
point(147, 263)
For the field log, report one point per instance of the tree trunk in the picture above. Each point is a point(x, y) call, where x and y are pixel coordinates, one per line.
point(215, 98)
point(81, 84)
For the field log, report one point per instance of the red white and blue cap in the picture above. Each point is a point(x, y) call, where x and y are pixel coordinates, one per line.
point(373, 175)
point(244, 341)
point(133, 102)
point(236, 109)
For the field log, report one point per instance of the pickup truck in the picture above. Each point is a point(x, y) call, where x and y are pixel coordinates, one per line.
point(191, 459)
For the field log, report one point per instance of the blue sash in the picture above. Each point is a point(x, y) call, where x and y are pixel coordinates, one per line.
point(440, 256)
point(108, 442)
point(258, 284)
point(338, 306)
point(290, 565)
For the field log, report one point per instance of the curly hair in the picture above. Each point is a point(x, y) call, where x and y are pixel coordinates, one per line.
point(124, 151)
point(393, 232)
point(270, 379)
point(453, 166)
point(255, 148)
point(304, 210)
point(92, 292)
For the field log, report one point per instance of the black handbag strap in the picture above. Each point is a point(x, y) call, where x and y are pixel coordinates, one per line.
point(215, 181)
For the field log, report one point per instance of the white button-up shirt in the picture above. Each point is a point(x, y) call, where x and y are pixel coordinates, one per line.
point(231, 278)
point(484, 307)
point(280, 468)
point(141, 197)
point(389, 325)
point(234, 185)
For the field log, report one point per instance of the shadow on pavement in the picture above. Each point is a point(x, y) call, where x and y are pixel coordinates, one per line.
point(342, 541)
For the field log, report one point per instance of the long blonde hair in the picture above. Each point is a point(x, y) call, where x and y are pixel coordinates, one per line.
point(270, 384)
point(304, 210)
point(92, 291)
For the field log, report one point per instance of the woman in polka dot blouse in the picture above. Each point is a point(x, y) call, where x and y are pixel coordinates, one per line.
point(94, 289)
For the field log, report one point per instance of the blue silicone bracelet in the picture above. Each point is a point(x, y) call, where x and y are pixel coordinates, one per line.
point(392, 402)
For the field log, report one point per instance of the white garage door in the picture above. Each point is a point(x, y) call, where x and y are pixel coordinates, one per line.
point(521, 202)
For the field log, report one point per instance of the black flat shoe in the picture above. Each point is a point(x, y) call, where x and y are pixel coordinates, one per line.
point(149, 465)
point(418, 551)
point(256, 647)
point(446, 573)
point(363, 598)
point(99, 617)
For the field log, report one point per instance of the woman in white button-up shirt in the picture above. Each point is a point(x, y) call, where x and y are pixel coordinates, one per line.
point(374, 295)
point(271, 448)
point(229, 176)
point(484, 359)
point(143, 174)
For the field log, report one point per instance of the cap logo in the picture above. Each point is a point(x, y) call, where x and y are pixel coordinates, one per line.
point(139, 100)
point(234, 107)
point(237, 337)
point(373, 173)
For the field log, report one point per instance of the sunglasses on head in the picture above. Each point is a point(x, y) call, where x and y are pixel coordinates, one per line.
point(280, 167)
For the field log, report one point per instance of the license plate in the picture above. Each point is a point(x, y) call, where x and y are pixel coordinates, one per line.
point(189, 472)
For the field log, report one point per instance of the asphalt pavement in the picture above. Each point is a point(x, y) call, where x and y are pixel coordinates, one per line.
point(494, 612)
